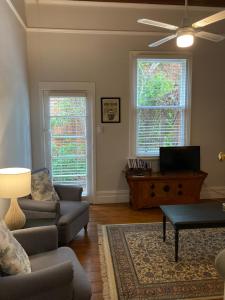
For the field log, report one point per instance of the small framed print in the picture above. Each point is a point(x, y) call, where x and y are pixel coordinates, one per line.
point(110, 110)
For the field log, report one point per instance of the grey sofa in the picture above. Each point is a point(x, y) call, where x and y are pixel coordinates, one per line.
point(56, 272)
point(70, 214)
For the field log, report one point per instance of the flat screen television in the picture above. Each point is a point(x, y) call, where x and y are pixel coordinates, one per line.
point(181, 158)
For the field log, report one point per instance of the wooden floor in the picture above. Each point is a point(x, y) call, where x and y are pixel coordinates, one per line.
point(86, 246)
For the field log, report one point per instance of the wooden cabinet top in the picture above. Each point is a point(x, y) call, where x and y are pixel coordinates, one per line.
point(131, 175)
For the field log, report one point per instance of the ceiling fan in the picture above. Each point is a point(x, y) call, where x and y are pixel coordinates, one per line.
point(186, 33)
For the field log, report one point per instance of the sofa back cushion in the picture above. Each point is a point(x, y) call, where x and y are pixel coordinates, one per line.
point(42, 187)
point(13, 258)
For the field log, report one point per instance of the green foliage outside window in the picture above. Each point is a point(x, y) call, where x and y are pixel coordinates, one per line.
point(160, 85)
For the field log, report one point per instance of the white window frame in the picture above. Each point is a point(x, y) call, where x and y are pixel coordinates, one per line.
point(46, 88)
point(134, 55)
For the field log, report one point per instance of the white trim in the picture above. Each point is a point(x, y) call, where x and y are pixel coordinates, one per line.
point(118, 5)
point(89, 88)
point(133, 55)
point(95, 31)
point(104, 197)
point(122, 196)
point(16, 14)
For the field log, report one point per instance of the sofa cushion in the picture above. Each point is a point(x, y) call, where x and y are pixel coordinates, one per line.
point(42, 187)
point(13, 258)
point(82, 290)
point(71, 210)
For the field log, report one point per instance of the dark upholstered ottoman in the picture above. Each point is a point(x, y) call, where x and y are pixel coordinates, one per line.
point(191, 216)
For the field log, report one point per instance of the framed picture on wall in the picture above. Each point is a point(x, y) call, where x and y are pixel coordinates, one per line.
point(110, 110)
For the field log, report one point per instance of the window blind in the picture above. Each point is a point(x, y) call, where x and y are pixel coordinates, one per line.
point(161, 101)
point(68, 139)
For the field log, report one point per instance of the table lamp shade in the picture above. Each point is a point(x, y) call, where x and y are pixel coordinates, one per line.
point(15, 182)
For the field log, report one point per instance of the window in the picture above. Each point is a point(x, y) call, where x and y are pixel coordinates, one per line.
point(68, 138)
point(161, 98)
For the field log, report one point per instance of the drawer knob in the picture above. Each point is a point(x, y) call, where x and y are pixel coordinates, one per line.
point(166, 188)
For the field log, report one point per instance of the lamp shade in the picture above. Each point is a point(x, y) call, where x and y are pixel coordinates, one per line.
point(15, 182)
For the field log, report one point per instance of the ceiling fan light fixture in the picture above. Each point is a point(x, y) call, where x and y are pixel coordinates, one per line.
point(185, 37)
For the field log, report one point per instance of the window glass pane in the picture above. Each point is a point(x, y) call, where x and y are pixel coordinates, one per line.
point(158, 127)
point(68, 126)
point(160, 104)
point(67, 106)
point(68, 120)
point(161, 82)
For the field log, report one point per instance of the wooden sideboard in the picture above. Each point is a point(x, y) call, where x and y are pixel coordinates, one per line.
point(156, 189)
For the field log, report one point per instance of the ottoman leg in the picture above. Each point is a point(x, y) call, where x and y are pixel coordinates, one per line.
point(176, 244)
point(164, 228)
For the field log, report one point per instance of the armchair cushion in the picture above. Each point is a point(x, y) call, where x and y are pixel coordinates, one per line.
point(71, 211)
point(13, 258)
point(42, 187)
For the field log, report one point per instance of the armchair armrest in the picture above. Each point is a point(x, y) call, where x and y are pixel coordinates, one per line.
point(220, 263)
point(42, 282)
point(69, 192)
point(37, 239)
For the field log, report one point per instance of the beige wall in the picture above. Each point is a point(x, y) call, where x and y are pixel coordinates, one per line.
point(14, 100)
point(104, 59)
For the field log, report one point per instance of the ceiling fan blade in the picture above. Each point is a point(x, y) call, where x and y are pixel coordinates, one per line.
point(210, 36)
point(209, 20)
point(157, 24)
point(162, 41)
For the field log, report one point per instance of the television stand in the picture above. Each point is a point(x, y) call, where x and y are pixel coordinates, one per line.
point(155, 189)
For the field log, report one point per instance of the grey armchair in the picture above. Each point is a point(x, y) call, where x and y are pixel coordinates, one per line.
point(56, 272)
point(220, 266)
point(70, 214)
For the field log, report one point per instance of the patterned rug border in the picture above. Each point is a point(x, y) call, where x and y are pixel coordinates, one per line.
point(106, 264)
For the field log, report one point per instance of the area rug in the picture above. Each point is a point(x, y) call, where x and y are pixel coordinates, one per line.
point(137, 264)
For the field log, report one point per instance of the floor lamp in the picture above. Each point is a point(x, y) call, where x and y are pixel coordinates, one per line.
point(14, 183)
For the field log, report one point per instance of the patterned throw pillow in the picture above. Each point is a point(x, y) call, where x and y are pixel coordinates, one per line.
point(42, 187)
point(13, 258)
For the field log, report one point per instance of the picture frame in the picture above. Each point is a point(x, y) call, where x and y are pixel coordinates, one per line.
point(110, 109)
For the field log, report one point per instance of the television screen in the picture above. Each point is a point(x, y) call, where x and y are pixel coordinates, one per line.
point(183, 158)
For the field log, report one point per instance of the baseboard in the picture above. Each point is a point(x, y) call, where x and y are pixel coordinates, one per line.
point(213, 192)
point(122, 196)
point(104, 197)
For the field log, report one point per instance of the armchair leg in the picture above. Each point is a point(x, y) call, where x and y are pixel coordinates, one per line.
point(85, 228)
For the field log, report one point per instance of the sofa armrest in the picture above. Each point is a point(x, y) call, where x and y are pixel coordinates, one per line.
point(37, 239)
point(39, 206)
point(69, 192)
point(30, 286)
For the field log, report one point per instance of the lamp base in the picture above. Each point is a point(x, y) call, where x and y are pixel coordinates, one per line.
point(15, 218)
